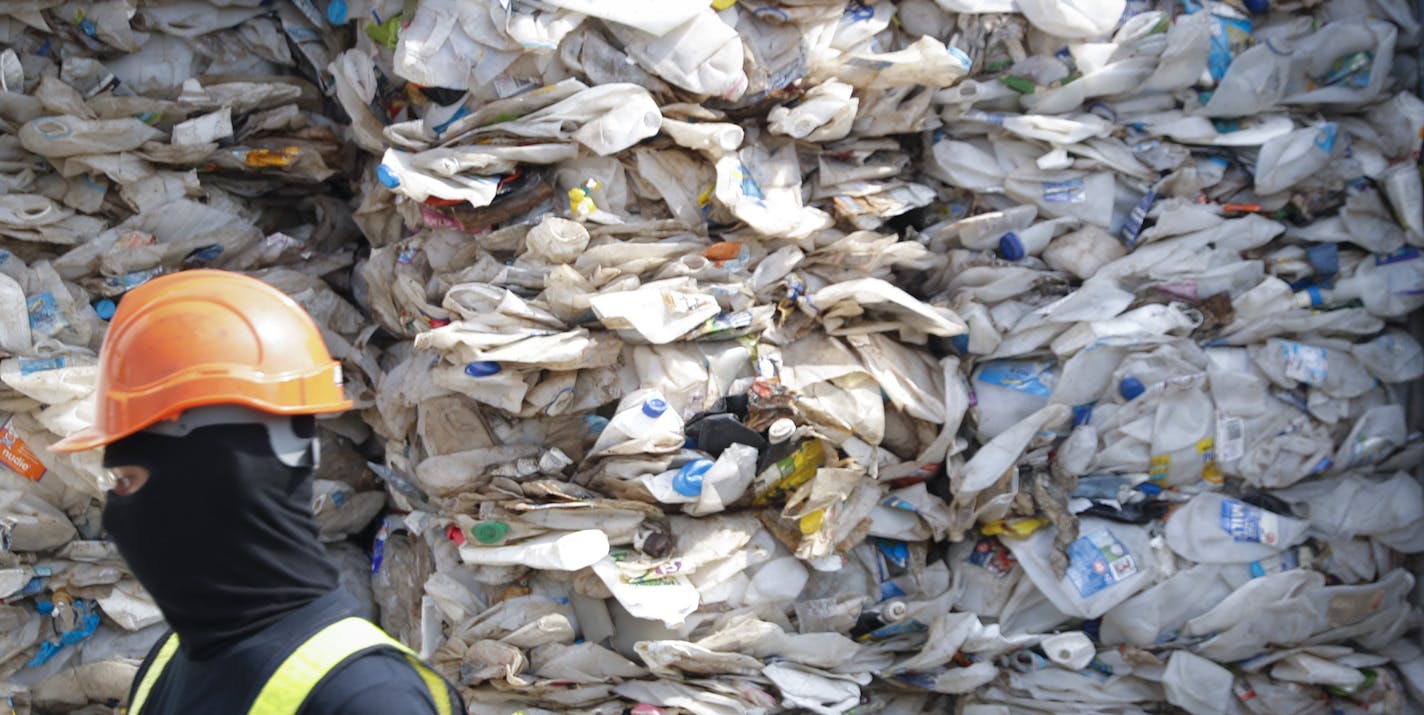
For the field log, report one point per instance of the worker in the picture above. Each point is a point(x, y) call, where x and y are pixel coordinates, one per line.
point(209, 384)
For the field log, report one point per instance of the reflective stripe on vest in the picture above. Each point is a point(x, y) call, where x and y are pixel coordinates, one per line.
point(298, 675)
point(155, 669)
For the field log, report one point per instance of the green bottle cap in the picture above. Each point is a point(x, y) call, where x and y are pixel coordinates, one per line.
point(491, 532)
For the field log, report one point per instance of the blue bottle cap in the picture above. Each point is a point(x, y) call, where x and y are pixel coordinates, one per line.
point(481, 368)
point(1131, 387)
point(654, 408)
point(595, 423)
point(1258, 6)
point(336, 12)
point(387, 176)
point(688, 480)
point(105, 308)
point(1010, 248)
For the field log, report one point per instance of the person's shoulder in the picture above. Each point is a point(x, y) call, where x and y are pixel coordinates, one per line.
point(380, 681)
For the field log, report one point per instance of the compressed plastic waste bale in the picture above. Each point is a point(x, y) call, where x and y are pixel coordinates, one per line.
point(824, 355)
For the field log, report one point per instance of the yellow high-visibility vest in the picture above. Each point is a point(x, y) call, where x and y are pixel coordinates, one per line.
point(288, 688)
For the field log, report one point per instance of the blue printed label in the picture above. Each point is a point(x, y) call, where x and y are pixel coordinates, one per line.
point(1286, 561)
point(1032, 377)
point(1325, 137)
point(1230, 36)
point(1133, 228)
point(32, 365)
point(45, 316)
point(1249, 523)
point(132, 280)
point(1352, 70)
point(1305, 363)
point(1098, 560)
point(1403, 254)
point(1065, 192)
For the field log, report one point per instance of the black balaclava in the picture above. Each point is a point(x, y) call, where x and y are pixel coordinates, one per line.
point(222, 534)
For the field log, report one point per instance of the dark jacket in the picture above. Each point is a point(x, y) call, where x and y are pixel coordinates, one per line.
point(377, 682)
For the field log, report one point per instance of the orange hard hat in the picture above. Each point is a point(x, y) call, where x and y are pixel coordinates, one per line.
point(206, 337)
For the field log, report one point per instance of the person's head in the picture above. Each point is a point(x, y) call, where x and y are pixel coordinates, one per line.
point(209, 383)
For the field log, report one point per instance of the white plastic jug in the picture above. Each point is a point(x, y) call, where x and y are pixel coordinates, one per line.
point(1214, 528)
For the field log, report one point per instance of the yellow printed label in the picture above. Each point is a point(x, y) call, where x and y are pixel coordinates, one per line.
point(795, 470)
point(1159, 466)
point(1211, 473)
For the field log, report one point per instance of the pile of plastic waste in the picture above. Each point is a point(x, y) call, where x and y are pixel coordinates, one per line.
point(821, 356)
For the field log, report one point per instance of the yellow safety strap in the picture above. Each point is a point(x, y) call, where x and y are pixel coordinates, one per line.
point(300, 673)
point(155, 669)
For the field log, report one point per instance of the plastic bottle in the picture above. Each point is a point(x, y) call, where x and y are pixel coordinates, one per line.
point(982, 232)
point(558, 552)
point(397, 171)
point(873, 619)
point(1007, 391)
point(1031, 241)
point(1336, 373)
point(1387, 285)
point(14, 317)
point(1083, 252)
point(1072, 650)
point(1232, 279)
point(644, 424)
point(1214, 528)
point(777, 582)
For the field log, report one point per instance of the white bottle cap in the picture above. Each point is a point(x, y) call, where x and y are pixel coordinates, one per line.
point(781, 430)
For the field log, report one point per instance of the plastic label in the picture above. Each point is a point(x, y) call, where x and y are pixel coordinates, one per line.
point(1285, 561)
point(1352, 70)
point(1249, 523)
point(1325, 137)
point(1230, 36)
point(378, 549)
point(1210, 473)
point(16, 455)
point(129, 281)
point(1230, 438)
point(795, 470)
point(29, 366)
point(1024, 376)
point(748, 185)
point(1065, 192)
point(1159, 466)
point(1133, 228)
point(991, 554)
point(1098, 560)
point(1403, 254)
point(45, 316)
point(1305, 363)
